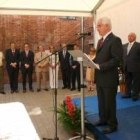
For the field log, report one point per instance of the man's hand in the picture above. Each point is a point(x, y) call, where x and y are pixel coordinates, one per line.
point(74, 67)
point(13, 65)
point(27, 66)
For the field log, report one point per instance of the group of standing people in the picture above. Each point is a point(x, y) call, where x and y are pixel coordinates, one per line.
point(25, 61)
point(70, 69)
point(43, 60)
point(16, 60)
point(110, 52)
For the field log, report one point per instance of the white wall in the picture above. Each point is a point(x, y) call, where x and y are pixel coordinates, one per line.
point(125, 17)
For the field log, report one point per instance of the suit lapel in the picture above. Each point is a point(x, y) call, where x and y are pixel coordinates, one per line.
point(24, 53)
point(11, 52)
point(28, 53)
point(133, 47)
point(125, 49)
point(66, 55)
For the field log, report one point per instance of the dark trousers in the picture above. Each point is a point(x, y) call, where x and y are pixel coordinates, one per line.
point(13, 78)
point(107, 105)
point(66, 77)
point(75, 75)
point(25, 73)
point(132, 83)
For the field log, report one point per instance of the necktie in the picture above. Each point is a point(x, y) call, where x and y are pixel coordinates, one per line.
point(101, 42)
point(128, 48)
point(13, 52)
point(26, 54)
point(70, 60)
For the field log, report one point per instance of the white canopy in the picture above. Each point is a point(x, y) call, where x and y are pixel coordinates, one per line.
point(49, 7)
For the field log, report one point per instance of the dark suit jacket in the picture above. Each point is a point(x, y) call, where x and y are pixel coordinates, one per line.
point(10, 58)
point(27, 60)
point(64, 62)
point(108, 57)
point(132, 60)
point(76, 63)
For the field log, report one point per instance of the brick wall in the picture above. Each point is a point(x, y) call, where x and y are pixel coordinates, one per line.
point(44, 30)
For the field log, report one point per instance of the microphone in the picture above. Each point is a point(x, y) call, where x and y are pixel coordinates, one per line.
point(84, 34)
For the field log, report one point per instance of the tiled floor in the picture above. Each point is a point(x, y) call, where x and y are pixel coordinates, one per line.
point(39, 106)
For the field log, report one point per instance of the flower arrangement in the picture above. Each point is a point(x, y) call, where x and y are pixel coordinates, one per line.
point(69, 115)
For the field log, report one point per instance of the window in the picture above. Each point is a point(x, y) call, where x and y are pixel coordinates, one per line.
point(68, 17)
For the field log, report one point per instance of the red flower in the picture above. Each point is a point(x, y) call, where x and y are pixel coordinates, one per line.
point(70, 106)
point(68, 99)
point(71, 109)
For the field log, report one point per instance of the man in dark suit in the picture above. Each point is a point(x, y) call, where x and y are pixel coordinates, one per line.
point(64, 57)
point(75, 72)
point(27, 60)
point(108, 56)
point(12, 57)
point(132, 67)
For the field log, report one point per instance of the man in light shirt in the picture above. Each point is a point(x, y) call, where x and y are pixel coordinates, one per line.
point(132, 67)
point(41, 68)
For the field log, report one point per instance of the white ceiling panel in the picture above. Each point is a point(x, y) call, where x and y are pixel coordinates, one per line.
point(63, 7)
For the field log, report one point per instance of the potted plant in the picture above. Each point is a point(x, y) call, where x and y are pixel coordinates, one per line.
point(69, 115)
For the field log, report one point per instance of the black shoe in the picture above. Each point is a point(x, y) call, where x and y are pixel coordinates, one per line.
point(108, 130)
point(16, 91)
point(64, 87)
point(12, 91)
point(46, 89)
point(31, 90)
point(126, 96)
point(38, 90)
point(2, 92)
point(99, 123)
point(135, 99)
point(72, 89)
point(24, 91)
point(79, 89)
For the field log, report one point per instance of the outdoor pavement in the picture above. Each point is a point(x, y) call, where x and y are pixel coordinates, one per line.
point(40, 105)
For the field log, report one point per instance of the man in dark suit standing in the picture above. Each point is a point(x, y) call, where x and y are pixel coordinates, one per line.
point(132, 67)
point(108, 56)
point(64, 57)
point(27, 60)
point(12, 57)
point(75, 72)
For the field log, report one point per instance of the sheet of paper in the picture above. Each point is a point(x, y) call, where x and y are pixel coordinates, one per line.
point(87, 62)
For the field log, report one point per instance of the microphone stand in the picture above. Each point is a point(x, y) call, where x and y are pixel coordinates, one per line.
point(55, 96)
point(82, 136)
